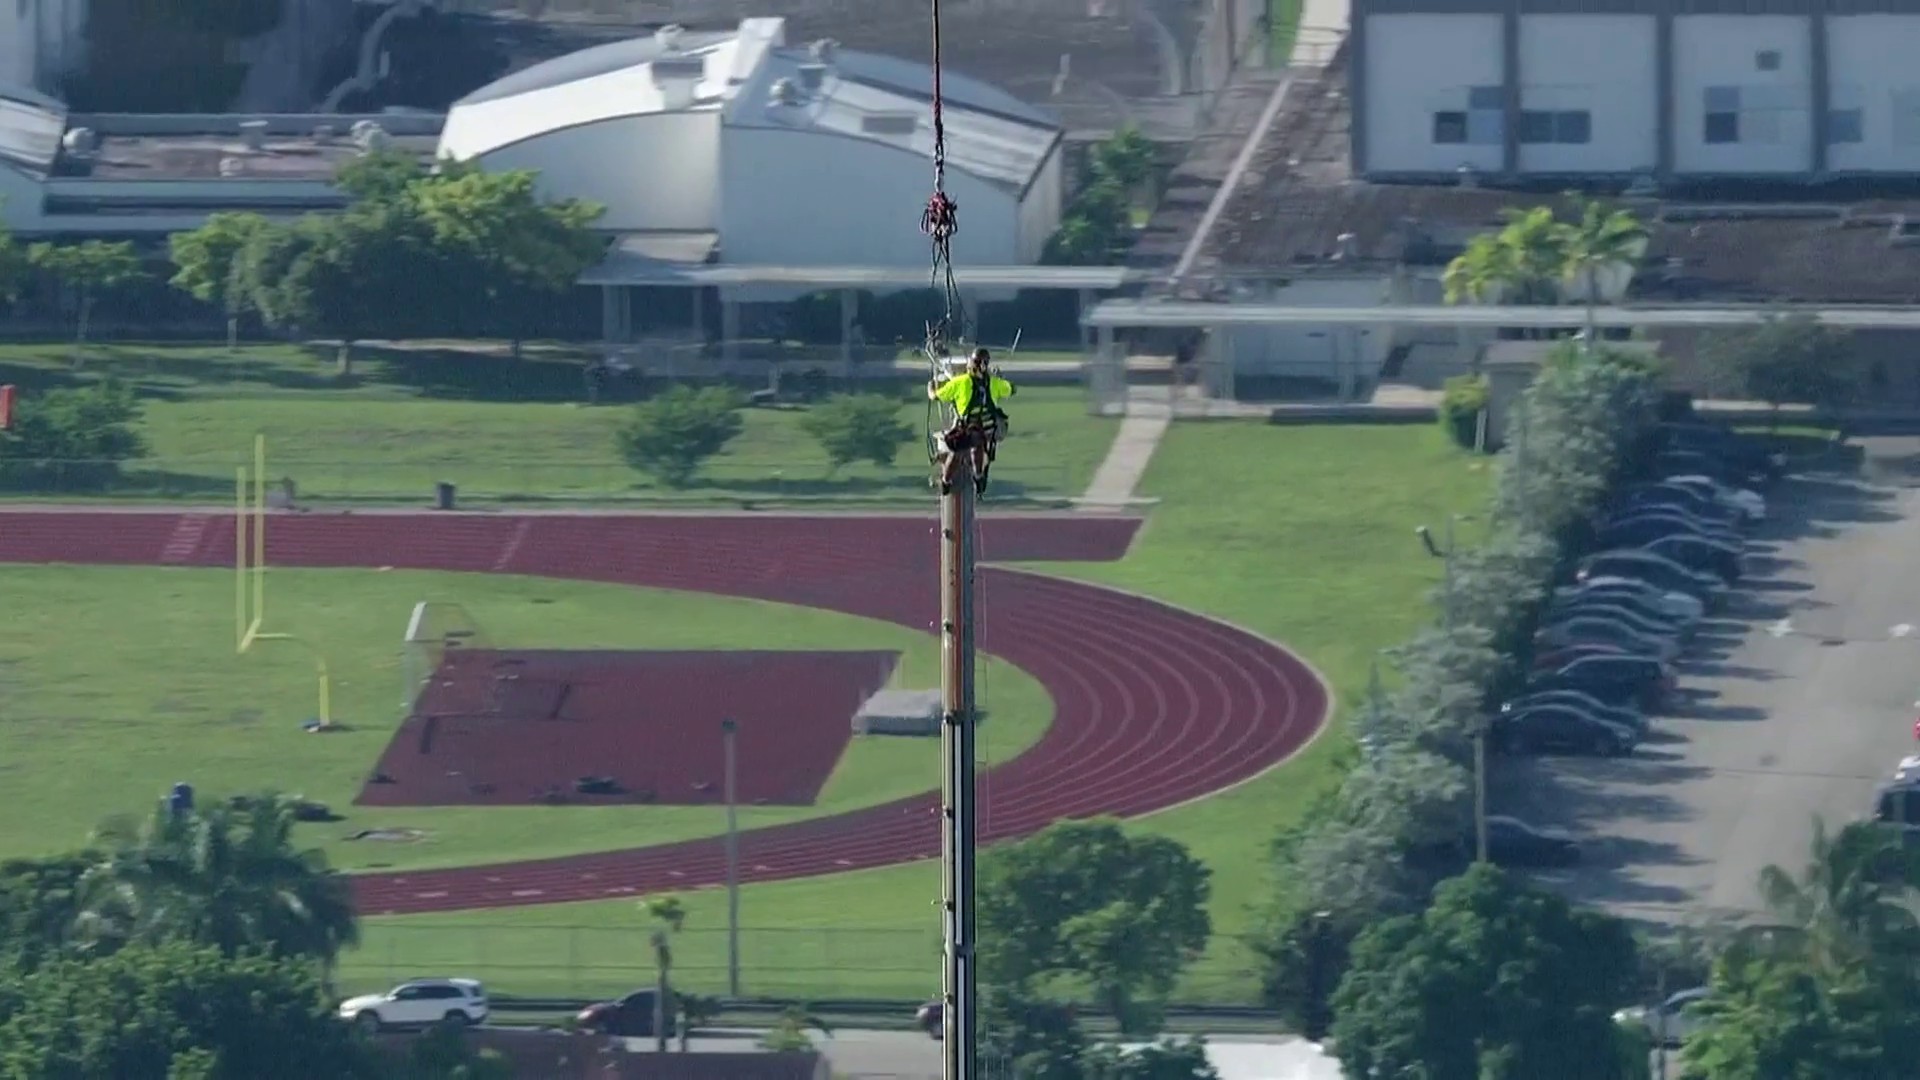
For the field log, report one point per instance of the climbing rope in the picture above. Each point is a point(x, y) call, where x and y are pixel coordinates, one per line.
point(940, 220)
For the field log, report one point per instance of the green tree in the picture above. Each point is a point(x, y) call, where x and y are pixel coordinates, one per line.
point(1600, 239)
point(75, 439)
point(671, 436)
point(509, 252)
point(1028, 1037)
point(1165, 1060)
point(857, 427)
point(229, 878)
point(1497, 980)
point(788, 1035)
point(444, 1052)
point(92, 269)
point(173, 1010)
point(1851, 904)
point(1084, 899)
point(39, 902)
point(1791, 359)
point(206, 261)
point(13, 264)
point(384, 176)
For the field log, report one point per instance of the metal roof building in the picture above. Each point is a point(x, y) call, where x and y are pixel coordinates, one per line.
point(733, 147)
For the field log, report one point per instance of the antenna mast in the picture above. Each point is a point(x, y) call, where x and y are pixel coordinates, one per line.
point(960, 986)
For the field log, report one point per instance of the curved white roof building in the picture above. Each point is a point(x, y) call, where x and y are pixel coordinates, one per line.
point(733, 147)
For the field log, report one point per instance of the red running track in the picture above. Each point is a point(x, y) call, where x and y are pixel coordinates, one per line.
point(1154, 706)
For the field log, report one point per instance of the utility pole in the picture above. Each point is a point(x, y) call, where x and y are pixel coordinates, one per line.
point(728, 731)
point(959, 985)
point(1444, 553)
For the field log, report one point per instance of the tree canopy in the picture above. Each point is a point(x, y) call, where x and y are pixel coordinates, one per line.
point(1085, 899)
point(1496, 980)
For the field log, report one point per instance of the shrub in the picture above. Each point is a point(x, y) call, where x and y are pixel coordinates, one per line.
point(1461, 401)
point(72, 439)
point(671, 436)
point(1585, 421)
point(858, 427)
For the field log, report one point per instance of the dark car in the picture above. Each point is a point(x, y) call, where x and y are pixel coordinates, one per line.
point(1616, 680)
point(1554, 658)
point(1647, 623)
point(1653, 568)
point(1512, 842)
point(1619, 714)
point(1674, 499)
point(1744, 453)
point(630, 1016)
point(1625, 717)
point(1700, 553)
point(1634, 529)
point(1551, 728)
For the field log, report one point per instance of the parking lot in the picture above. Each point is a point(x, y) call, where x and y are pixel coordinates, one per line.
point(1769, 729)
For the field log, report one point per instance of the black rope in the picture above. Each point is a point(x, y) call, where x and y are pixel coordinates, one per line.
point(940, 220)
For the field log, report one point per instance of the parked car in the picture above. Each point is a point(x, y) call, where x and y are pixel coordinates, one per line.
point(1682, 494)
point(1654, 569)
point(1557, 728)
point(1512, 842)
point(1673, 1021)
point(1620, 714)
point(1636, 594)
point(1582, 628)
point(1628, 718)
point(1640, 526)
point(1558, 657)
point(1616, 680)
point(1700, 553)
point(630, 1016)
point(1655, 624)
point(1746, 503)
point(1746, 453)
point(421, 1003)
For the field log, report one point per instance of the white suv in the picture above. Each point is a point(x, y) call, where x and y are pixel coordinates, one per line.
point(418, 1004)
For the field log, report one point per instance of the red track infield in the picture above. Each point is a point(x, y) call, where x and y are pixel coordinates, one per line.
point(1154, 706)
point(505, 727)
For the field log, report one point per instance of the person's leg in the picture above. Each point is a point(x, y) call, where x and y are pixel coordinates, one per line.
point(980, 467)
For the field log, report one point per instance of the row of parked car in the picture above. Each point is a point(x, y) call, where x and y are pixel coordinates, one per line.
point(1604, 652)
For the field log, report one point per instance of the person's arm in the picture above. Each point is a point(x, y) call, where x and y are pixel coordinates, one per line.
point(1002, 388)
point(949, 391)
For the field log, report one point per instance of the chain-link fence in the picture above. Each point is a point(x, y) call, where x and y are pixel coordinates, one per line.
point(807, 964)
point(497, 481)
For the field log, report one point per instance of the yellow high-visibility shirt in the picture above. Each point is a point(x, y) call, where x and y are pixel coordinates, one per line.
point(959, 393)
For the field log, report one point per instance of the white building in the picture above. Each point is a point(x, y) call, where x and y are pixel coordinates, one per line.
point(731, 147)
point(1781, 89)
point(40, 41)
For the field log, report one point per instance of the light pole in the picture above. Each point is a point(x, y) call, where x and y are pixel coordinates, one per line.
point(728, 729)
point(1445, 555)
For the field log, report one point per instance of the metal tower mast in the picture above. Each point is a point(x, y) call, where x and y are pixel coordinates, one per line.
point(960, 985)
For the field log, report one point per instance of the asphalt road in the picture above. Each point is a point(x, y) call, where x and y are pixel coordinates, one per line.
point(900, 1055)
point(1771, 731)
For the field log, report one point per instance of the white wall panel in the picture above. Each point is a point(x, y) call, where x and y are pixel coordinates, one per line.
point(1433, 93)
point(1874, 80)
point(1594, 77)
point(1742, 94)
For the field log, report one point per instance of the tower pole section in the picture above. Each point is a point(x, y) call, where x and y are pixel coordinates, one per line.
point(960, 984)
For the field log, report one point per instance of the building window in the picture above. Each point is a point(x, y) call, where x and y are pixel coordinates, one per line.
point(1722, 115)
point(1845, 126)
point(1570, 127)
point(1450, 127)
point(1767, 60)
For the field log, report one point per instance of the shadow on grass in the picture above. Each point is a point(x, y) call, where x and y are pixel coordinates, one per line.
point(477, 376)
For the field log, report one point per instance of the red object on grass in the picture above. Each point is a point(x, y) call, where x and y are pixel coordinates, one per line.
point(6, 406)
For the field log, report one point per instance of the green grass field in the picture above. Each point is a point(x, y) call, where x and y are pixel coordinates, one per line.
point(502, 430)
point(1303, 534)
point(116, 682)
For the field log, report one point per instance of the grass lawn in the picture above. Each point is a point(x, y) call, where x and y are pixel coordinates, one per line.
point(117, 682)
point(502, 430)
point(1311, 544)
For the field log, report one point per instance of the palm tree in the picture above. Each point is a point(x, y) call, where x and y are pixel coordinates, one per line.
point(1521, 263)
point(229, 877)
point(1600, 240)
point(671, 915)
point(1851, 903)
point(1479, 274)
